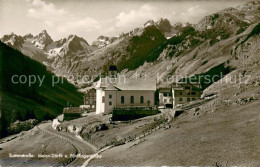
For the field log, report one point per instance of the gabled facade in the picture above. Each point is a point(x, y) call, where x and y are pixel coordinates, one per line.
point(90, 98)
point(165, 96)
point(183, 93)
point(124, 92)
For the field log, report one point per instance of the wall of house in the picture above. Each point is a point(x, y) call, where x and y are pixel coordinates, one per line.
point(90, 98)
point(110, 100)
point(148, 98)
point(100, 106)
point(165, 99)
point(184, 96)
point(116, 99)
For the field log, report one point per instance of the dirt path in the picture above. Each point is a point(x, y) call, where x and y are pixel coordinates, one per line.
point(82, 147)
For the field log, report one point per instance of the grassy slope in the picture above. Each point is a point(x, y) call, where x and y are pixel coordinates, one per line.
point(35, 142)
point(17, 99)
point(227, 135)
point(225, 131)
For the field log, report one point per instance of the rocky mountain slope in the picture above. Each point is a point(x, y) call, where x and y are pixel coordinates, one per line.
point(192, 49)
point(27, 90)
point(51, 53)
point(156, 49)
point(13, 40)
point(42, 40)
point(221, 132)
point(103, 41)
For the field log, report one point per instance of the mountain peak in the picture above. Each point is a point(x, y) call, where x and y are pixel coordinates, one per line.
point(149, 23)
point(42, 40)
point(72, 36)
point(44, 31)
point(103, 41)
point(44, 34)
point(13, 40)
point(164, 25)
point(77, 39)
point(28, 36)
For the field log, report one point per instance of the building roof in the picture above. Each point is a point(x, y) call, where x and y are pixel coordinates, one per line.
point(72, 110)
point(111, 87)
point(180, 86)
point(148, 84)
point(165, 90)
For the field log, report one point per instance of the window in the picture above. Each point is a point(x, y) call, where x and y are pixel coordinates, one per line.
point(180, 99)
point(187, 87)
point(122, 99)
point(188, 99)
point(142, 99)
point(193, 93)
point(110, 103)
point(180, 93)
point(165, 94)
point(132, 100)
point(193, 99)
point(110, 96)
point(169, 100)
point(165, 100)
point(103, 99)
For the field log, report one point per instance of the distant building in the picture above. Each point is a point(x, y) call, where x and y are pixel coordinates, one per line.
point(165, 96)
point(90, 99)
point(114, 91)
point(183, 93)
point(72, 113)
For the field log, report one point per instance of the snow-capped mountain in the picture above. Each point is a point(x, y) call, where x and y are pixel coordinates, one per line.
point(52, 54)
point(165, 26)
point(13, 40)
point(162, 24)
point(42, 40)
point(153, 48)
point(104, 41)
point(69, 45)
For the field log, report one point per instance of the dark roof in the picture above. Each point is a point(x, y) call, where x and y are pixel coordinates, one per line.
point(127, 84)
point(112, 68)
point(181, 85)
point(165, 90)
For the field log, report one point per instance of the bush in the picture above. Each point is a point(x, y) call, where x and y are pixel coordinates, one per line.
point(70, 116)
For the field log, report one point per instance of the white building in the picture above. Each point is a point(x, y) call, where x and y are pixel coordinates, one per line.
point(124, 92)
point(165, 96)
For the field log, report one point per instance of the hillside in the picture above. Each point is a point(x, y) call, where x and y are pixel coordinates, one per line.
point(188, 50)
point(157, 49)
point(41, 100)
point(222, 132)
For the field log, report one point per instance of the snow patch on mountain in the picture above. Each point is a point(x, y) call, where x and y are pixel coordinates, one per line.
point(103, 41)
point(42, 40)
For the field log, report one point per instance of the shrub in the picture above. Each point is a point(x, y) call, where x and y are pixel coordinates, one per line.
point(205, 62)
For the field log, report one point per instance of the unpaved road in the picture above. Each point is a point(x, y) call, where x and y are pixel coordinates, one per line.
point(82, 147)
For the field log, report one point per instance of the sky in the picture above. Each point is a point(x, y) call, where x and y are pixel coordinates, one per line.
point(91, 18)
